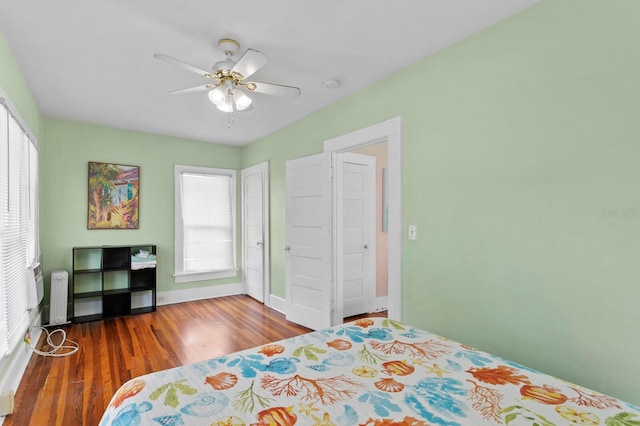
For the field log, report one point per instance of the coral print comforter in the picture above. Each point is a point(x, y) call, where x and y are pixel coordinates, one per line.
point(369, 372)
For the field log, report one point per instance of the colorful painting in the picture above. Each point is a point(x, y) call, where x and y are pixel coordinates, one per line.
point(113, 196)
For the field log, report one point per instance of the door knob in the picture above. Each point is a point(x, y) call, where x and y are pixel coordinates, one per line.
point(287, 248)
point(259, 243)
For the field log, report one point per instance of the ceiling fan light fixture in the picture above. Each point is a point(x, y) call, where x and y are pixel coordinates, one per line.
point(241, 100)
point(227, 105)
point(217, 96)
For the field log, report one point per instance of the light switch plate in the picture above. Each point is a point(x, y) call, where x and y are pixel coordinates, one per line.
point(413, 232)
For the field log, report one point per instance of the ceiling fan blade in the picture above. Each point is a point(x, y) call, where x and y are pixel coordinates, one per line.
point(200, 88)
point(275, 89)
point(250, 62)
point(182, 64)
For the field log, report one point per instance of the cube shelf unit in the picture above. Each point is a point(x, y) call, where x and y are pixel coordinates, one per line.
point(105, 285)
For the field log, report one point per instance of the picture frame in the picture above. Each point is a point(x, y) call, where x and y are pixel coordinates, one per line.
point(113, 196)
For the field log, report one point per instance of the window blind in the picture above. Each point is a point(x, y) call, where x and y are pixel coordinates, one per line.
point(205, 221)
point(18, 228)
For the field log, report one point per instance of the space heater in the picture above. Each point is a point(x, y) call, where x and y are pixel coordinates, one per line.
point(59, 297)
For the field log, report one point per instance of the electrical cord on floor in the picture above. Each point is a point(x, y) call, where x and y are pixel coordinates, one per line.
point(70, 348)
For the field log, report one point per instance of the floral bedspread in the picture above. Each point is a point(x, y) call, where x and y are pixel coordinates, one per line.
point(373, 371)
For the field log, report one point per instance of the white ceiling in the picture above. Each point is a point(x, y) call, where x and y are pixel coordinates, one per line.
point(92, 61)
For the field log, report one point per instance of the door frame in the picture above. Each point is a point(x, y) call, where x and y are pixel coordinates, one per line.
point(266, 245)
point(389, 131)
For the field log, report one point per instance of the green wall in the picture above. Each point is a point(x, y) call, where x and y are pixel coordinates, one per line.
point(63, 199)
point(521, 149)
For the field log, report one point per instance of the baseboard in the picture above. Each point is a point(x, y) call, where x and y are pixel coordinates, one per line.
point(198, 293)
point(201, 293)
point(13, 367)
point(278, 303)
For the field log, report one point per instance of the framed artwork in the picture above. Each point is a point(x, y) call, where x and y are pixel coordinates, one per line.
point(113, 196)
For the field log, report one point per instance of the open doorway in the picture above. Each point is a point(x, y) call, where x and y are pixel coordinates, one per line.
point(313, 206)
point(389, 133)
point(381, 226)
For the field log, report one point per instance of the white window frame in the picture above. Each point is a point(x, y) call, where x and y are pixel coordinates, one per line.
point(19, 245)
point(179, 275)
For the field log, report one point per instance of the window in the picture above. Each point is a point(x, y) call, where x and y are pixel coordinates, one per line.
point(19, 250)
point(205, 226)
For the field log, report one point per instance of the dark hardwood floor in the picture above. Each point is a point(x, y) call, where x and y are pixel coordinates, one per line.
point(75, 390)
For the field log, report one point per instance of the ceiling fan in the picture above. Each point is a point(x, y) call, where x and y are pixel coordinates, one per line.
point(229, 86)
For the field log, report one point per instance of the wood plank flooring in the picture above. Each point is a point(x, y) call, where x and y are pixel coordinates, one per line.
point(75, 390)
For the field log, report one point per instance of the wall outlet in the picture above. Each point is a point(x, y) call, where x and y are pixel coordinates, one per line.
point(413, 232)
point(6, 403)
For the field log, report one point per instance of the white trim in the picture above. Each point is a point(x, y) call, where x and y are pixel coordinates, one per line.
point(278, 303)
point(179, 275)
point(389, 131)
point(337, 244)
point(204, 276)
point(13, 368)
point(266, 244)
point(199, 293)
point(13, 111)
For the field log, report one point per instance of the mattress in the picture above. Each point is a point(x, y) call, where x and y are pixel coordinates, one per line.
point(372, 371)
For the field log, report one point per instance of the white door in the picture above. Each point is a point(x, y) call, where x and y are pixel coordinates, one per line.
point(254, 235)
point(309, 268)
point(355, 236)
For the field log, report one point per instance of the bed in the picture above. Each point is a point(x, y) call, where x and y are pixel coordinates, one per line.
point(372, 371)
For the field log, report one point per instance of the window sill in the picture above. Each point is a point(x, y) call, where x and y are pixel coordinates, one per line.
point(203, 276)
